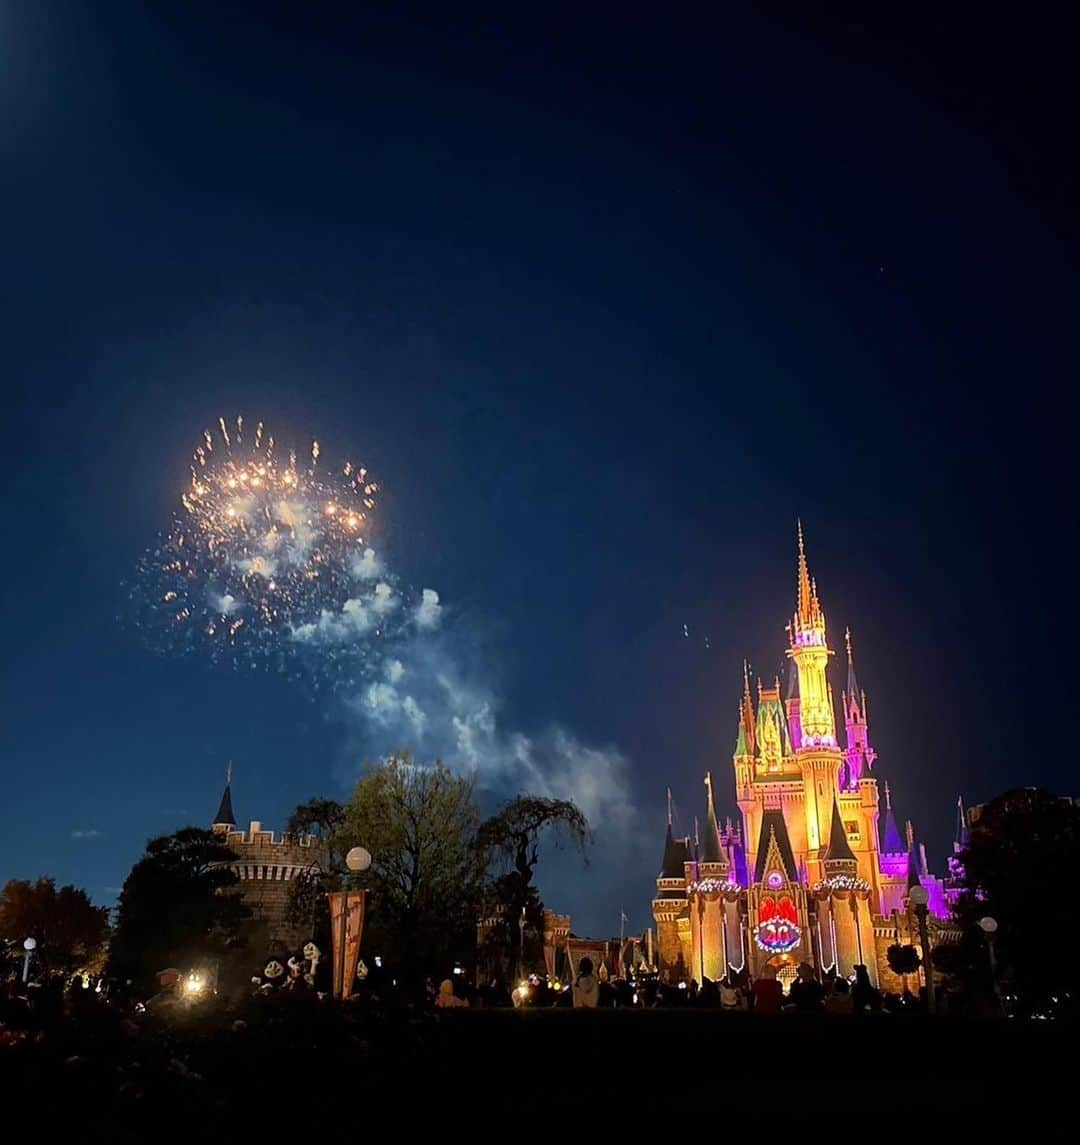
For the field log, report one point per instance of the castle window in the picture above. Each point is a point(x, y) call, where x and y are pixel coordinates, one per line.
point(852, 827)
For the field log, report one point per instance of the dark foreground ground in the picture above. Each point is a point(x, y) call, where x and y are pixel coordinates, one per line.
point(304, 1071)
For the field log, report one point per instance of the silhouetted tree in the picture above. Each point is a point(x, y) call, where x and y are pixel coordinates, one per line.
point(1022, 851)
point(175, 908)
point(511, 840)
point(903, 959)
point(70, 931)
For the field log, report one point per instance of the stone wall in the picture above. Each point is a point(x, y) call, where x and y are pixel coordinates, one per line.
point(266, 868)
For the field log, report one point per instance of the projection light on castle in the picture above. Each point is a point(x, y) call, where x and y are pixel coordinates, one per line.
point(778, 930)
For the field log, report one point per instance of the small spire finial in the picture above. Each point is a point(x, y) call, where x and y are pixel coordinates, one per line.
point(228, 774)
point(888, 797)
point(847, 642)
point(669, 806)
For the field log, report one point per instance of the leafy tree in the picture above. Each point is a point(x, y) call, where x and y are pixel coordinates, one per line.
point(70, 931)
point(319, 817)
point(1022, 851)
point(511, 841)
point(419, 823)
point(175, 908)
point(307, 906)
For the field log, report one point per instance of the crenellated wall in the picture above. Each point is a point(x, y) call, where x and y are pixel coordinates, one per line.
point(266, 867)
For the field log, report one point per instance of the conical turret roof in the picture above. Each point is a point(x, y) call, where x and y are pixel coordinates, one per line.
point(710, 850)
point(839, 849)
point(225, 816)
point(773, 824)
point(674, 857)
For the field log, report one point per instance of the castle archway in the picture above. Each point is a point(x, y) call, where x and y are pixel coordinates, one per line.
point(787, 969)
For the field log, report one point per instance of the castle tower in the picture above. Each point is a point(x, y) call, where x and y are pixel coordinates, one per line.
point(744, 761)
point(893, 862)
point(266, 867)
point(712, 902)
point(816, 753)
point(791, 703)
point(669, 908)
point(845, 922)
point(955, 881)
point(859, 756)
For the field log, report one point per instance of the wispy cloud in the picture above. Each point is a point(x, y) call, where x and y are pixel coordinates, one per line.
point(87, 833)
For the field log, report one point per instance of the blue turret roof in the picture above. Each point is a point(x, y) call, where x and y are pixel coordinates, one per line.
point(893, 843)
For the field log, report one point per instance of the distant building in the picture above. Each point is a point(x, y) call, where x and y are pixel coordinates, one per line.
point(266, 867)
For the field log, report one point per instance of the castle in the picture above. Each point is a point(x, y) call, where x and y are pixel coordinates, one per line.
point(805, 876)
point(266, 867)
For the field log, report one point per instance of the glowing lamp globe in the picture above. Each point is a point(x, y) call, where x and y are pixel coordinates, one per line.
point(358, 859)
point(919, 895)
point(988, 925)
point(30, 944)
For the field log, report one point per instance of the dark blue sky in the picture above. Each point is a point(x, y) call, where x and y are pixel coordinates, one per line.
point(605, 304)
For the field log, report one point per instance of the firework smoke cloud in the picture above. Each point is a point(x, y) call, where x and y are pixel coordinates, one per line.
point(269, 565)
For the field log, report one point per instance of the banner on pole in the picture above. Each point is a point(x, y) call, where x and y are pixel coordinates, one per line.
point(346, 930)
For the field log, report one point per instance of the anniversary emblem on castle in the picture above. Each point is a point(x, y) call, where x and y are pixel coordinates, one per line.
point(804, 876)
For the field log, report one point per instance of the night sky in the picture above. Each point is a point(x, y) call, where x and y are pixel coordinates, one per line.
point(605, 303)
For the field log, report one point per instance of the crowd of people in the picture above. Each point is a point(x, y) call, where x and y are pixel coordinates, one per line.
point(836, 995)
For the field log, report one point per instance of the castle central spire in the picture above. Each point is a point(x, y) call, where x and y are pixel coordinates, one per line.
point(810, 652)
point(805, 594)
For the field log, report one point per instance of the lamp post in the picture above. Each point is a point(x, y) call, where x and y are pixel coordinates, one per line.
point(29, 946)
point(989, 927)
point(358, 859)
point(919, 896)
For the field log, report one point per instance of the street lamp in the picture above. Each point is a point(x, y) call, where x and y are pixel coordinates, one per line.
point(29, 946)
point(358, 859)
point(919, 896)
point(989, 926)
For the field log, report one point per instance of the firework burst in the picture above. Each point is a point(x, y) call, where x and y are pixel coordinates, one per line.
point(266, 555)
